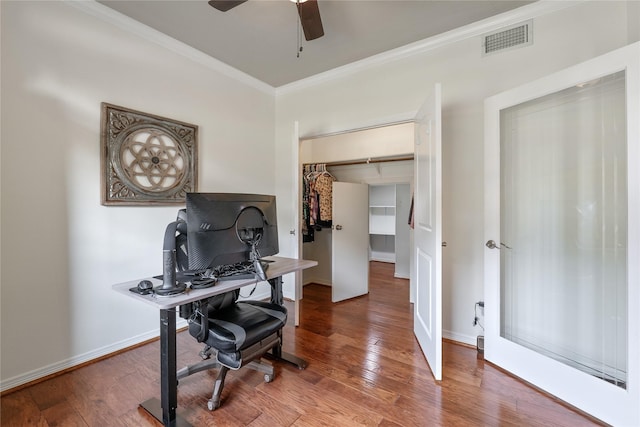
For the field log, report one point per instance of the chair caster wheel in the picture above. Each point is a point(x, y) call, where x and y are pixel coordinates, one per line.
point(213, 405)
point(268, 378)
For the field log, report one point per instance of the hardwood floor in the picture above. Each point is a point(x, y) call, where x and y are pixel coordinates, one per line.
point(365, 368)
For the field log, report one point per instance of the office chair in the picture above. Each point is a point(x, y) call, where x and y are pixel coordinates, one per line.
point(235, 333)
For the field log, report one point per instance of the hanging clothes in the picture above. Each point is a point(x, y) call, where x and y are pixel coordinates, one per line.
point(316, 200)
point(309, 203)
point(324, 190)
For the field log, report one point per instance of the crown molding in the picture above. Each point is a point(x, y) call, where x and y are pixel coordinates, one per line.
point(530, 11)
point(106, 14)
point(130, 25)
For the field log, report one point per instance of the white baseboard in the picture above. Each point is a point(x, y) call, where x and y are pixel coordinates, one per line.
point(387, 259)
point(465, 339)
point(71, 362)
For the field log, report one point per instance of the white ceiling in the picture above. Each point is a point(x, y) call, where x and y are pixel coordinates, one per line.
point(260, 37)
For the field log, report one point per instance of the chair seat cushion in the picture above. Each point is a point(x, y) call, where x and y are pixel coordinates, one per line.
point(241, 325)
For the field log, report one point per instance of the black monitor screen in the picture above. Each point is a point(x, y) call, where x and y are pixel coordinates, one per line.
point(221, 228)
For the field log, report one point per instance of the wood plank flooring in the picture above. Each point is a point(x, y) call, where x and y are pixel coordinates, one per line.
point(365, 369)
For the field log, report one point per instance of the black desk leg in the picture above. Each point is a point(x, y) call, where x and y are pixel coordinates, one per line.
point(278, 298)
point(165, 409)
point(168, 366)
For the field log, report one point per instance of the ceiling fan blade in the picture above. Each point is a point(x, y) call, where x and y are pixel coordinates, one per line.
point(224, 5)
point(310, 19)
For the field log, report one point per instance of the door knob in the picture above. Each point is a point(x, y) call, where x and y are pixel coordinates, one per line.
point(491, 244)
point(338, 227)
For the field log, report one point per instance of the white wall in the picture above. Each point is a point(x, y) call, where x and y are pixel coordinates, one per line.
point(362, 95)
point(62, 250)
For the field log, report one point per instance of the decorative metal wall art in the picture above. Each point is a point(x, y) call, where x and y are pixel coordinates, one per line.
point(146, 159)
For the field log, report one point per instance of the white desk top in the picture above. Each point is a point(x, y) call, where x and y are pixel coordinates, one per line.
point(279, 267)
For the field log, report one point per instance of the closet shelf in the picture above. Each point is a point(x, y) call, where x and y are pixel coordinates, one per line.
point(382, 213)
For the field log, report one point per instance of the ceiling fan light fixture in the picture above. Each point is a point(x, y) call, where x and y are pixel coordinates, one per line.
point(307, 10)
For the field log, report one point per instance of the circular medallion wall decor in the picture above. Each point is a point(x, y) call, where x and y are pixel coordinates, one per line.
point(146, 159)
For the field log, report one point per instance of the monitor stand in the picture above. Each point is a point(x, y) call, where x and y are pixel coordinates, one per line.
point(170, 291)
point(252, 236)
point(257, 265)
point(170, 286)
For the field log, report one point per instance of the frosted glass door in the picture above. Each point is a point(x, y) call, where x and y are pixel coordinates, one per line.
point(562, 234)
point(564, 227)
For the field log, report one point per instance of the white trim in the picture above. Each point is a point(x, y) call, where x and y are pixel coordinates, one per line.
point(479, 28)
point(461, 338)
point(126, 23)
point(58, 367)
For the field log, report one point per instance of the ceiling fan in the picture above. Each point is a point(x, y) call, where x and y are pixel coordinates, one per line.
point(307, 9)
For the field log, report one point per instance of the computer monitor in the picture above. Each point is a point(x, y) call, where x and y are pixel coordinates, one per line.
point(228, 228)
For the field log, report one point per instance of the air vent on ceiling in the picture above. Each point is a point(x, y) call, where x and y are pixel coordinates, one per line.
point(511, 37)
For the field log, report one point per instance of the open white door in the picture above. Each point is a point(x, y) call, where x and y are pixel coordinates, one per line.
point(562, 233)
point(350, 241)
point(427, 324)
point(294, 232)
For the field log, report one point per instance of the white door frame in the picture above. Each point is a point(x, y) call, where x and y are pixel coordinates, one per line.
point(294, 233)
point(605, 401)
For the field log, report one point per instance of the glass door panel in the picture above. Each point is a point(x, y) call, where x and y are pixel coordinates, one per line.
point(563, 201)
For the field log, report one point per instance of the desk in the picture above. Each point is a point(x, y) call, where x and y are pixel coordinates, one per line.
point(165, 409)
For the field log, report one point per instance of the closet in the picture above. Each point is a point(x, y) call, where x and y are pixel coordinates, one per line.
point(387, 215)
point(376, 157)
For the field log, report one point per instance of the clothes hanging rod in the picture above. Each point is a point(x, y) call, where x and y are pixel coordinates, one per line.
point(363, 161)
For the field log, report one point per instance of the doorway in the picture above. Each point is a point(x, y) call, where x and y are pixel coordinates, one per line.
point(391, 243)
point(425, 142)
point(377, 156)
